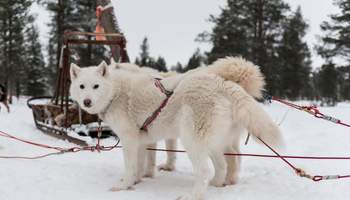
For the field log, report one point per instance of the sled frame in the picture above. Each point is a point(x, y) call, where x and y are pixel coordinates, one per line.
point(61, 95)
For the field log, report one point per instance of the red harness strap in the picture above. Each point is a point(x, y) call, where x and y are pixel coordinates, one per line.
point(155, 114)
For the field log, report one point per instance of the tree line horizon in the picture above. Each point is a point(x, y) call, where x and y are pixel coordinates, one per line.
point(268, 33)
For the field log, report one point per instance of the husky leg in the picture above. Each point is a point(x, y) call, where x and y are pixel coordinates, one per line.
point(233, 165)
point(130, 152)
point(220, 166)
point(141, 158)
point(150, 161)
point(171, 144)
point(199, 157)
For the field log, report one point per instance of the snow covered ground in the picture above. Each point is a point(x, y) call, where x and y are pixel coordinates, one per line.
point(88, 176)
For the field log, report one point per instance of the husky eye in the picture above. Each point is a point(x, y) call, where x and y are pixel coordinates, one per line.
point(96, 86)
point(82, 86)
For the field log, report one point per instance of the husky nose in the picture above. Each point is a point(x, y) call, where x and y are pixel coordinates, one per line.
point(87, 103)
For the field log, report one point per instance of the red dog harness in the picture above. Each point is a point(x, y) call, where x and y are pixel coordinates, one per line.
point(155, 114)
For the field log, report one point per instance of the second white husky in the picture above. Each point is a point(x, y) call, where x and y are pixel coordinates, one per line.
point(207, 112)
point(237, 70)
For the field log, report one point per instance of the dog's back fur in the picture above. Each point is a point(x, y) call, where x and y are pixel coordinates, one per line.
point(235, 69)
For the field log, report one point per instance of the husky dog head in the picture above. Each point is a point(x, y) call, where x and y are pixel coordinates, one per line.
point(92, 87)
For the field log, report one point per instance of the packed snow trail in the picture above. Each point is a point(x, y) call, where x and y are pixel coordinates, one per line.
point(89, 175)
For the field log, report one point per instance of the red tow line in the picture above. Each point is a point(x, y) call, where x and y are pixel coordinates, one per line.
point(59, 150)
point(313, 110)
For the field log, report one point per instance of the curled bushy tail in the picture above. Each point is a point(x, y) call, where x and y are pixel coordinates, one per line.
point(247, 113)
point(240, 71)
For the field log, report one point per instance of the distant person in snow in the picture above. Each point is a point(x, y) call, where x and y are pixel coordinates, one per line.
point(3, 97)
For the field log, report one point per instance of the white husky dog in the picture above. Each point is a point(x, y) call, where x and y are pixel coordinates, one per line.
point(206, 112)
point(238, 70)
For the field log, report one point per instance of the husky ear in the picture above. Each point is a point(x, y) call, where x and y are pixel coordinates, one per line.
point(114, 64)
point(102, 68)
point(74, 70)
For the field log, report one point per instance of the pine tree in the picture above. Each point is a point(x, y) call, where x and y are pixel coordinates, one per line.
point(294, 58)
point(328, 84)
point(230, 33)
point(344, 82)
point(315, 93)
point(160, 65)
point(35, 66)
point(137, 61)
point(336, 43)
point(177, 68)
point(62, 12)
point(251, 29)
point(144, 59)
point(336, 39)
point(151, 62)
point(195, 61)
point(14, 15)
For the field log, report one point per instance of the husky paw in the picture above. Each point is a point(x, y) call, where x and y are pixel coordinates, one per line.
point(149, 175)
point(231, 181)
point(186, 197)
point(139, 180)
point(135, 182)
point(166, 167)
point(125, 184)
point(217, 183)
point(149, 172)
point(120, 187)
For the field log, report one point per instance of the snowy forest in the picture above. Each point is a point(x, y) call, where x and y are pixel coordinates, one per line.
point(268, 33)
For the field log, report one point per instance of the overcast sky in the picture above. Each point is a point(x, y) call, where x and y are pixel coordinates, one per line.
point(172, 26)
